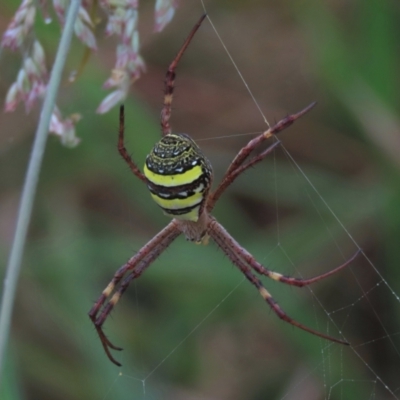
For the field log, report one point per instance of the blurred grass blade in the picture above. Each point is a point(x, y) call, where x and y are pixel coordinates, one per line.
point(31, 179)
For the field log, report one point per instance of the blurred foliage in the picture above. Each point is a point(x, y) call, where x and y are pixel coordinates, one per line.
point(191, 327)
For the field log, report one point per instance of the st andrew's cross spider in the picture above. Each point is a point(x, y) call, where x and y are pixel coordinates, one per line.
point(179, 178)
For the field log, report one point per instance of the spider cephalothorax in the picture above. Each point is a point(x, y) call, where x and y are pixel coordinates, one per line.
point(179, 177)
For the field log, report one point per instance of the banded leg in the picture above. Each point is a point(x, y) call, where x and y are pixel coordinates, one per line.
point(229, 179)
point(223, 240)
point(122, 149)
point(161, 237)
point(237, 162)
point(259, 268)
point(136, 273)
point(137, 264)
point(170, 81)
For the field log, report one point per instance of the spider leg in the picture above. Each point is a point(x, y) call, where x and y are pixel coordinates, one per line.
point(229, 178)
point(226, 243)
point(170, 81)
point(299, 282)
point(137, 264)
point(237, 162)
point(98, 323)
point(278, 127)
point(122, 149)
point(259, 268)
point(136, 273)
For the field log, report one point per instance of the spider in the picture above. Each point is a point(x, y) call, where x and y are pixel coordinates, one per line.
point(179, 178)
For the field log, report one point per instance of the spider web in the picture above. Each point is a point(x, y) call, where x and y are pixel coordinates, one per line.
point(312, 368)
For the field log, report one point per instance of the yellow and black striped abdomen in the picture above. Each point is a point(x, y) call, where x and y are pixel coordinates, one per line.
point(179, 176)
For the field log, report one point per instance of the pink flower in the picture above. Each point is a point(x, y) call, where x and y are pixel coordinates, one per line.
point(122, 21)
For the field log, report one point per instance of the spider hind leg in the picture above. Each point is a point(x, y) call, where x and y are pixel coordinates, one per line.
point(170, 80)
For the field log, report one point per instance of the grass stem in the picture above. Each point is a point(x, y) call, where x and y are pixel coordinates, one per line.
point(30, 184)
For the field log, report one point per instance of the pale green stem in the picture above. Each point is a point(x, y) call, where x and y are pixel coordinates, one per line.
point(31, 180)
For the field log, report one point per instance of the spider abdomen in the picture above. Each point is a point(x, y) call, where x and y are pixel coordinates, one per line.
point(179, 176)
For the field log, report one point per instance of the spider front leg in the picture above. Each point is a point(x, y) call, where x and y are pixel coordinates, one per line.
point(99, 321)
point(137, 264)
point(260, 269)
point(245, 261)
point(237, 166)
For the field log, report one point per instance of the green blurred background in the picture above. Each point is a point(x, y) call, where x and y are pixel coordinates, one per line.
point(91, 214)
